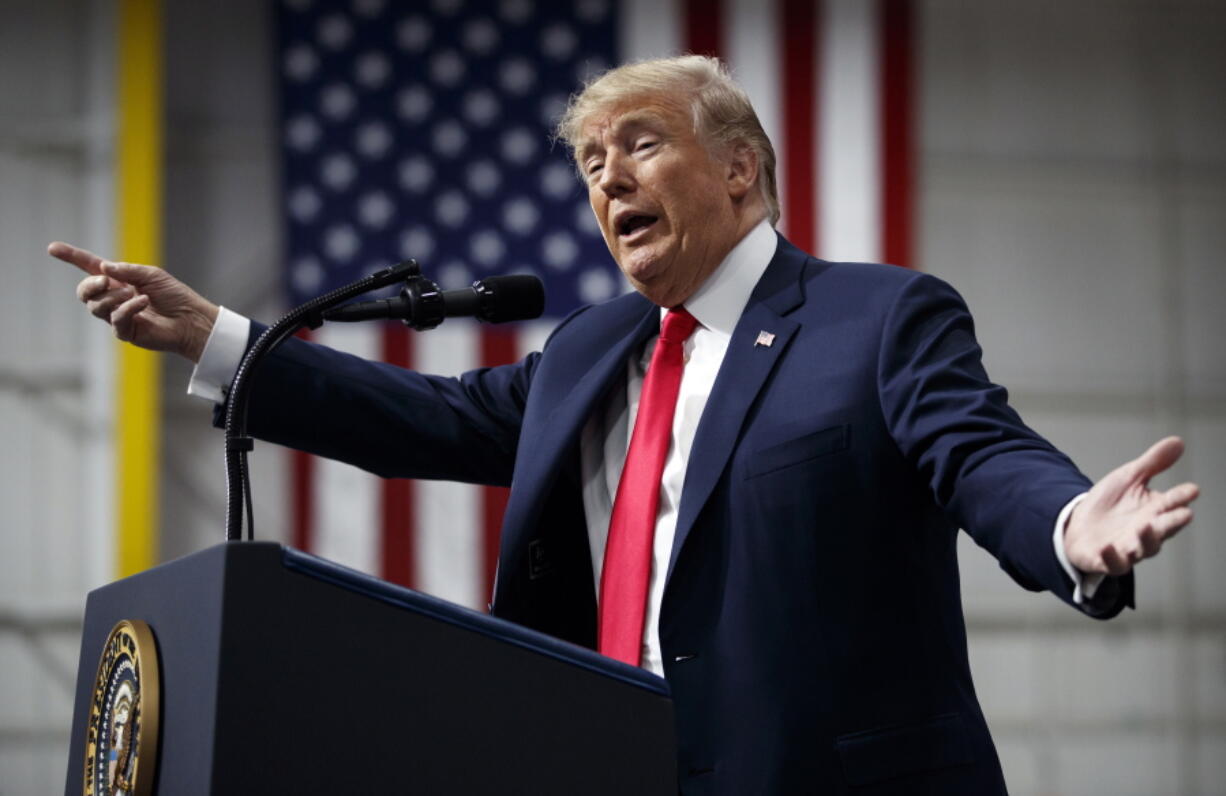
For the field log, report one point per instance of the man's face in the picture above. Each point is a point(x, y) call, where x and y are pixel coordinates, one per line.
point(661, 199)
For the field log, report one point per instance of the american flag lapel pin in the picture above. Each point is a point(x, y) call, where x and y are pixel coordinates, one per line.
point(765, 338)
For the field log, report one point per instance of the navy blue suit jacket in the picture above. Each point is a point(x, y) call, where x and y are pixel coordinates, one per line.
point(811, 625)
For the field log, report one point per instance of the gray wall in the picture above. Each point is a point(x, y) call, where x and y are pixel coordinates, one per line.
point(222, 236)
point(55, 181)
point(1073, 188)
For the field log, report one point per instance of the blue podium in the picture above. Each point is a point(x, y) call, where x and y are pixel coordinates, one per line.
point(279, 672)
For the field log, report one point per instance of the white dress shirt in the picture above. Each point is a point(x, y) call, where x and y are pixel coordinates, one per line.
point(717, 305)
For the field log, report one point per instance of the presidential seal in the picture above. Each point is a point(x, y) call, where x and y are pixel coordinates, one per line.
point(121, 742)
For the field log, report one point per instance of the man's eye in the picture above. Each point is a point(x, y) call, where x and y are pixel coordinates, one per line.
point(593, 169)
point(646, 143)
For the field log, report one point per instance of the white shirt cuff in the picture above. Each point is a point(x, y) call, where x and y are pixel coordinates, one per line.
point(223, 352)
point(1084, 585)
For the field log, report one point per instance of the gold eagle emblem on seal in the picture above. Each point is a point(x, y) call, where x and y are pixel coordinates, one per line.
point(122, 737)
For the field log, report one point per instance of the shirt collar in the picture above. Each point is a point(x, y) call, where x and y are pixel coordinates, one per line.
point(720, 300)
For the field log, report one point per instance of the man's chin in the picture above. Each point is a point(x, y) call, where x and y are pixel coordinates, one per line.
point(641, 286)
point(662, 294)
point(641, 266)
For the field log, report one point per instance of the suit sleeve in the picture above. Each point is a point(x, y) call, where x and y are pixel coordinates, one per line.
point(393, 422)
point(994, 476)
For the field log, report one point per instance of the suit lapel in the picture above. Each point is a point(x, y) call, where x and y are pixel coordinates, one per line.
point(744, 371)
point(544, 454)
point(573, 411)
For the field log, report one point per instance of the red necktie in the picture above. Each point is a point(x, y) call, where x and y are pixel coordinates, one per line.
point(627, 555)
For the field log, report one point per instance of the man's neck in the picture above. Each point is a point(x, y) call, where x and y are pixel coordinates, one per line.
point(720, 299)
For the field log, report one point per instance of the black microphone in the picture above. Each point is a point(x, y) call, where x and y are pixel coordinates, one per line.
point(421, 305)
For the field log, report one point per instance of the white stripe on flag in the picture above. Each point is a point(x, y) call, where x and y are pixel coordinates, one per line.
point(347, 504)
point(751, 29)
point(449, 546)
point(849, 200)
point(533, 334)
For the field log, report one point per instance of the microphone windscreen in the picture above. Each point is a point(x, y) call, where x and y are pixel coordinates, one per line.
point(517, 297)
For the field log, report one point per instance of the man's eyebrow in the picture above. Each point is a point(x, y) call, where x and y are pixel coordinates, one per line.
point(584, 150)
point(631, 119)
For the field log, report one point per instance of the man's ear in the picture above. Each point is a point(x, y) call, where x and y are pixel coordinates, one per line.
point(742, 171)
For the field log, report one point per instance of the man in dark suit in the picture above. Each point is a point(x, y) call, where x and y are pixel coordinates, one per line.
point(825, 430)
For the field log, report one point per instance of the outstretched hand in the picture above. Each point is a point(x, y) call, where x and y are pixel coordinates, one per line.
point(1122, 520)
point(144, 305)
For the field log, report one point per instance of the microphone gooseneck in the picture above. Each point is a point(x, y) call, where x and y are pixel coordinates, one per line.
point(238, 479)
point(420, 305)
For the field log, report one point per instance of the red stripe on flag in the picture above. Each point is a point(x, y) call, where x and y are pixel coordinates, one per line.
point(703, 22)
point(499, 346)
point(302, 510)
point(800, 82)
point(302, 476)
point(897, 47)
point(398, 527)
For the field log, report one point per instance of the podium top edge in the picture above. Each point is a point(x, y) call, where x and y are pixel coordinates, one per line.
point(475, 621)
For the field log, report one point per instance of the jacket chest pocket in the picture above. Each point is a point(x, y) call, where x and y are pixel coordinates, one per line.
point(799, 450)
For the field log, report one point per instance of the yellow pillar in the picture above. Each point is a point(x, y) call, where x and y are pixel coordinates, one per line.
point(138, 240)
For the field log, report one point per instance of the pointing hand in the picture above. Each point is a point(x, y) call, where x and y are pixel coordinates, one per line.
point(144, 305)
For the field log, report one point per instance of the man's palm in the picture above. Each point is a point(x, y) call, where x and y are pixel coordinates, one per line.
point(1122, 520)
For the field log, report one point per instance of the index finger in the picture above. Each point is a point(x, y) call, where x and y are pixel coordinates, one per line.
point(87, 261)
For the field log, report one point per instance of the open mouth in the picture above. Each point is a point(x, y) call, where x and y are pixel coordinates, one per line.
point(631, 225)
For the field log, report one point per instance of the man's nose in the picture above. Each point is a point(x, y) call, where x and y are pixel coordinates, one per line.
point(616, 176)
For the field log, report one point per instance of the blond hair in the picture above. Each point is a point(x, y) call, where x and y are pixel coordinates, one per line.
point(722, 113)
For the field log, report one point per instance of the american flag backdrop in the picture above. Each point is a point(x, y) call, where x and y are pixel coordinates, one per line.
point(422, 130)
